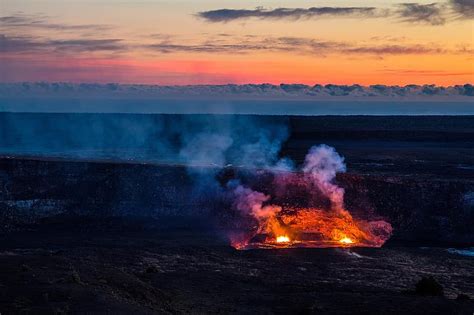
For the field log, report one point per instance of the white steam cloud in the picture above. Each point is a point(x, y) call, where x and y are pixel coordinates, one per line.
point(321, 165)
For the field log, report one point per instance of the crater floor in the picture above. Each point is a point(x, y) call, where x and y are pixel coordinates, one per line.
point(125, 267)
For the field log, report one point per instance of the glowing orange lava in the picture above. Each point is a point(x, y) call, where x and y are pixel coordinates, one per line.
point(274, 219)
point(282, 239)
point(346, 240)
point(316, 228)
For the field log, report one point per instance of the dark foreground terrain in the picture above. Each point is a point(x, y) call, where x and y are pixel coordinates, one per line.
point(92, 223)
point(133, 268)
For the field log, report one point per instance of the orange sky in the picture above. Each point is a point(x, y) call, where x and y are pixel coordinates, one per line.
point(166, 42)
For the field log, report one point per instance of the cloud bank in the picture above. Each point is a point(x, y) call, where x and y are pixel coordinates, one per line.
point(229, 99)
point(231, 90)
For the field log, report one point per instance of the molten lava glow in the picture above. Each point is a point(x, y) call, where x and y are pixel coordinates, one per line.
point(346, 240)
point(282, 239)
point(315, 228)
point(267, 220)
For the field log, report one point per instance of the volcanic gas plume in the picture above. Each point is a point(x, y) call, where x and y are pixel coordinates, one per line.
point(301, 206)
point(321, 222)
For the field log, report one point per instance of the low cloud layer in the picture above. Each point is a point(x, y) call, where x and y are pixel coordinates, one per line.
point(229, 90)
point(414, 13)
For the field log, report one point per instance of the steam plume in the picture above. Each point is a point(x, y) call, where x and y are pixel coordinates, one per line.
point(321, 165)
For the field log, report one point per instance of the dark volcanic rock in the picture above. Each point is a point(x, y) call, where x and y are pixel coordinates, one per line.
point(429, 286)
point(421, 208)
point(105, 272)
point(415, 172)
point(111, 237)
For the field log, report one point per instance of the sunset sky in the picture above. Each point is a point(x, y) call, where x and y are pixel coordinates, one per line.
point(218, 42)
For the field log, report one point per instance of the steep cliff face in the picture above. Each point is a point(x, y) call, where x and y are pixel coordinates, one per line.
point(32, 189)
point(419, 208)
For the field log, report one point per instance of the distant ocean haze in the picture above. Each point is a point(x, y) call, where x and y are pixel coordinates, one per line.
point(229, 106)
point(259, 99)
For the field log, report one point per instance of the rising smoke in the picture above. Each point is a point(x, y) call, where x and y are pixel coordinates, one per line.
point(206, 144)
point(316, 177)
point(319, 169)
point(321, 165)
point(181, 139)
